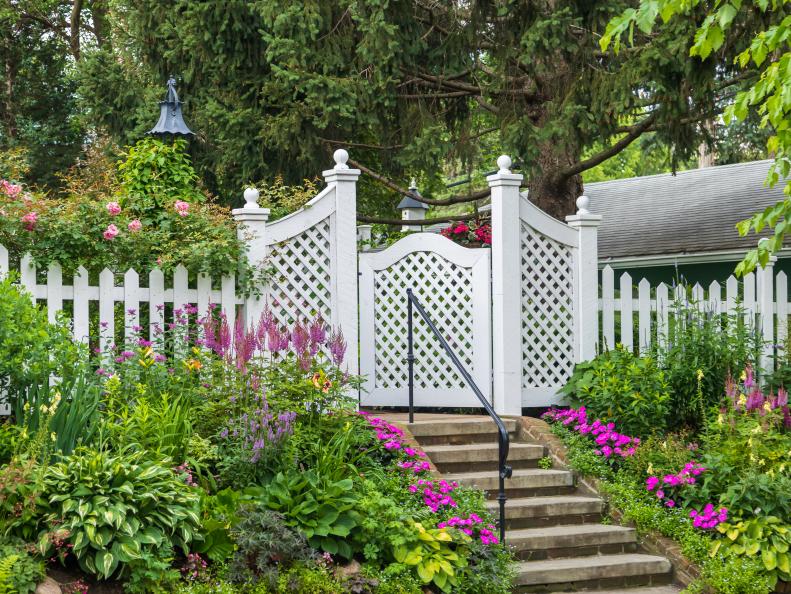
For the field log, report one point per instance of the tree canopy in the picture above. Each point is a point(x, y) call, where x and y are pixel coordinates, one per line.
point(412, 88)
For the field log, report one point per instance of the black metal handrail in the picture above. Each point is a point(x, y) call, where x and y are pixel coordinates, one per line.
point(503, 440)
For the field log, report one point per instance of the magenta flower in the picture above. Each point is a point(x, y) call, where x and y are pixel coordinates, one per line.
point(113, 209)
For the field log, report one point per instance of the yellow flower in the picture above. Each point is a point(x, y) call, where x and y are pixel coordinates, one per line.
point(700, 374)
point(742, 400)
point(26, 407)
point(43, 408)
point(720, 419)
point(24, 433)
point(767, 406)
point(52, 436)
point(743, 376)
point(193, 364)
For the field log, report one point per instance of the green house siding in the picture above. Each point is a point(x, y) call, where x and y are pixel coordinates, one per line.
point(691, 273)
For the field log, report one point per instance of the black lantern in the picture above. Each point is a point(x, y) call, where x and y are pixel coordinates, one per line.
point(171, 121)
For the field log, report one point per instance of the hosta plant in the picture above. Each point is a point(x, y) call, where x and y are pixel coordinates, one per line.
point(321, 509)
point(766, 538)
point(110, 510)
point(433, 556)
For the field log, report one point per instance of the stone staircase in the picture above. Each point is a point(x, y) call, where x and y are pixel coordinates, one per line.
point(554, 528)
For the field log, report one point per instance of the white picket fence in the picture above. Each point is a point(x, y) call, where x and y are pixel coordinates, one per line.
point(645, 310)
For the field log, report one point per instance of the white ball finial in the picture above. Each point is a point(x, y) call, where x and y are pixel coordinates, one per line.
point(504, 163)
point(341, 156)
point(251, 198)
point(582, 205)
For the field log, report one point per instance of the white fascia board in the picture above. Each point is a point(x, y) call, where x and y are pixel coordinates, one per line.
point(681, 259)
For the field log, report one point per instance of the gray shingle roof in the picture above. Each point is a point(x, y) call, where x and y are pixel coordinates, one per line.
point(692, 211)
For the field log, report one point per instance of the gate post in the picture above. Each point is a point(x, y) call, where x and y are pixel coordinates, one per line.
point(586, 274)
point(252, 232)
point(344, 254)
point(506, 289)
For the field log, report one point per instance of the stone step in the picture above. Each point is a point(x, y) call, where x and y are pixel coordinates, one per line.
point(670, 589)
point(524, 482)
point(482, 456)
point(597, 572)
point(554, 542)
point(458, 431)
point(533, 512)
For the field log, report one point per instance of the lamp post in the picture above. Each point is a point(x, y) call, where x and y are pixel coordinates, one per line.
point(171, 121)
point(412, 210)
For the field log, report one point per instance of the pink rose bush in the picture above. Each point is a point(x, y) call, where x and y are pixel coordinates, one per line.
point(29, 221)
point(182, 208)
point(134, 226)
point(110, 233)
point(113, 209)
point(609, 442)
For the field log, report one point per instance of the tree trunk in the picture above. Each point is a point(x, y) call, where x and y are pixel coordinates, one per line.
point(555, 196)
point(9, 115)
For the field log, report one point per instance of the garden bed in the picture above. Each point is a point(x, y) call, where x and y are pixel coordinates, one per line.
point(711, 493)
point(219, 459)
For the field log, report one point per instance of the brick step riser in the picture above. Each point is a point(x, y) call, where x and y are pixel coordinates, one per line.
point(515, 523)
point(581, 551)
point(514, 493)
point(460, 439)
point(657, 579)
point(458, 467)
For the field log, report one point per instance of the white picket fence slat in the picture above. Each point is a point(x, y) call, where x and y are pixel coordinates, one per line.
point(762, 297)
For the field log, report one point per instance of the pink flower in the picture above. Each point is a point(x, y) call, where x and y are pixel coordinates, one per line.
point(113, 209)
point(12, 190)
point(30, 220)
point(134, 226)
point(182, 208)
point(461, 228)
point(110, 232)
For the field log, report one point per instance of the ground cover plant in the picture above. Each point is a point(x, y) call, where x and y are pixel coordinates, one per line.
point(712, 472)
point(220, 458)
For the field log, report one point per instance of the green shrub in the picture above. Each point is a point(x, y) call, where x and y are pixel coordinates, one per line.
point(265, 547)
point(116, 509)
point(617, 386)
point(19, 572)
point(31, 349)
point(701, 350)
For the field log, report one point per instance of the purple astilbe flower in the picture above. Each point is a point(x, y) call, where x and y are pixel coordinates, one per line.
point(300, 336)
point(318, 331)
point(305, 359)
point(337, 345)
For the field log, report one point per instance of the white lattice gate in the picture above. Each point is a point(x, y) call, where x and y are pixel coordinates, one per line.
point(452, 282)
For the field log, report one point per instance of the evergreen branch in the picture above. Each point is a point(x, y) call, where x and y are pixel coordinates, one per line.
point(632, 135)
point(450, 95)
point(384, 221)
point(376, 147)
point(458, 199)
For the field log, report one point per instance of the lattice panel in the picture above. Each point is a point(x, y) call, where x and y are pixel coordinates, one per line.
point(445, 290)
point(301, 283)
point(547, 310)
